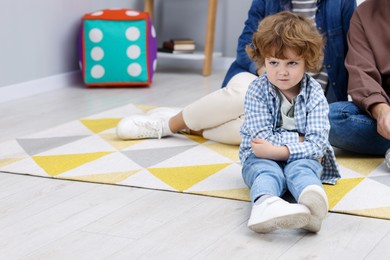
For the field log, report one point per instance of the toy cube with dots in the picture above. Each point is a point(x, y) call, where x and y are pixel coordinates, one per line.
point(117, 48)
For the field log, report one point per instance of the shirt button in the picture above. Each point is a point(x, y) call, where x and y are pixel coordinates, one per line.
point(334, 83)
point(328, 66)
point(320, 28)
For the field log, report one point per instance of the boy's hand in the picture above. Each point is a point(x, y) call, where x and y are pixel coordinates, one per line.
point(266, 150)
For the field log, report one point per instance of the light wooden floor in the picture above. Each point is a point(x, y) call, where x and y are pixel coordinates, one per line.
point(52, 219)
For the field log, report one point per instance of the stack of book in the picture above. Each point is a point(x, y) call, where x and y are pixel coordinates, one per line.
point(177, 46)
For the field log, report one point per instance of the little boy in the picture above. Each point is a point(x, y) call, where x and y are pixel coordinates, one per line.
point(285, 132)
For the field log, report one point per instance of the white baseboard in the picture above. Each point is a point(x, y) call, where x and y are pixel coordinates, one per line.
point(33, 87)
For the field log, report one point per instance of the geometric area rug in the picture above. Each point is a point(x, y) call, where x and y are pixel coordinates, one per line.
point(88, 150)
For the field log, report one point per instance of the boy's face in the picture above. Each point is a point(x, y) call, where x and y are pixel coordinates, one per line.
point(286, 74)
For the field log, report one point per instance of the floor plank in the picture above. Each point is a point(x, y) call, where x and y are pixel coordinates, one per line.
point(37, 195)
point(381, 250)
point(341, 237)
point(24, 237)
point(188, 234)
point(139, 219)
point(80, 245)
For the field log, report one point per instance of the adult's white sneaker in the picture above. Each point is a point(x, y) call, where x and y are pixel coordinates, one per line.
point(275, 213)
point(166, 113)
point(139, 127)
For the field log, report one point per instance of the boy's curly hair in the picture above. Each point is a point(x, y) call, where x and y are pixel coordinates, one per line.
point(286, 30)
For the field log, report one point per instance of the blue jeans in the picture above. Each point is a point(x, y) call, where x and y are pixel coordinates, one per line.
point(270, 177)
point(353, 130)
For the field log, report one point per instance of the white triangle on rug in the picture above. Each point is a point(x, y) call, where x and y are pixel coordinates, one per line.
point(347, 173)
point(119, 112)
point(68, 129)
point(145, 179)
point(367, 194)
point(26, 166)
point(170, 141)
point(12, 149)
point(199, 155)
point(90, 144)
point(227, 178)
point(381, 170)
point(115, 162)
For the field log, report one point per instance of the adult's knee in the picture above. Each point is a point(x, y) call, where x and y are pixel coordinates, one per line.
point(339, 111)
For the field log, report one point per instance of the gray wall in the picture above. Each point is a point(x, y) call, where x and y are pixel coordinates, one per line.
point(38, 37)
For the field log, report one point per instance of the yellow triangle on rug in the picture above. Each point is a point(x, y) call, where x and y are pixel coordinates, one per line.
point(374, 212)
point(99, 125)
point(182, 178)
point(360, 164)
point(337, 192)
point(109, 178)
point(57, 164)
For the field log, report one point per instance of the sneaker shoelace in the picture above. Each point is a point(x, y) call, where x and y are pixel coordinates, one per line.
point(150, 129)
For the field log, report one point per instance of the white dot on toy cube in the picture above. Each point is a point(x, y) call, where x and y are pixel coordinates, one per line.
point(117, 48)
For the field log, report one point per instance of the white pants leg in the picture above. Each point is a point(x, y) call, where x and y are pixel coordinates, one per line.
point(227, 133)
point(219, 114)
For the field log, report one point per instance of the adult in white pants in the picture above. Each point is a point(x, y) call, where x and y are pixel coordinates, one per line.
point(219, 115)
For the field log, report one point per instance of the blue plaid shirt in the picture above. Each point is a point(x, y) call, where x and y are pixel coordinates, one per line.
point(263, 120)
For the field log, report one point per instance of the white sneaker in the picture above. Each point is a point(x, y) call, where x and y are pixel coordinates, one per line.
point(388, 158)
point(164, 112)
point(139, 127)
point(276, 213)
point(314, 197)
